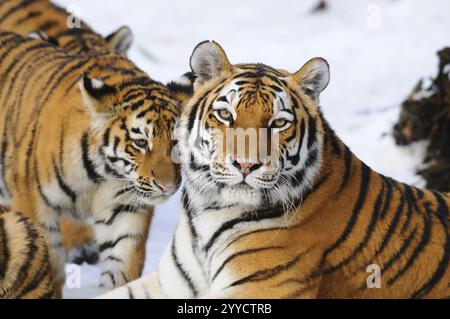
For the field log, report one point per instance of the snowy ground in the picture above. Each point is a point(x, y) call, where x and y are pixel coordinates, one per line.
point(377, 51)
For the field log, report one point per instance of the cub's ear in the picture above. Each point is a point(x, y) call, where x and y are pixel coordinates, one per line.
point(313, 77)
point(208, 61)
point(98, 96)
point(121, 40)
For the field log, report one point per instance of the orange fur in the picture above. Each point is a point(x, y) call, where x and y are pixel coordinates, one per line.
point(52, 22)
point(351, 218)
point(25, 270)
point(58, 123)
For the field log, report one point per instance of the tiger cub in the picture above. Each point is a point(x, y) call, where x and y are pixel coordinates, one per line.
point(85, 135)
point(44, 19)
point(47, 21)
point(290, 211)
point(25, 270)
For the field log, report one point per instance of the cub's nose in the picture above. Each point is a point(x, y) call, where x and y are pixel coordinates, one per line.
point(246, 168)
point(166, 187)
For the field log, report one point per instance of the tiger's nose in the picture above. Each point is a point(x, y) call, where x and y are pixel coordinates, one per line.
point(166, 188)
point(246, 167)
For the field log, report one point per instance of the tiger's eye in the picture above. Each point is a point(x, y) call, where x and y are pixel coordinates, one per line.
point(279, 123)
point(141, 143)
point(226, 115)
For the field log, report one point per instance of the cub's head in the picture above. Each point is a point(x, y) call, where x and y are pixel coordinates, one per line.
point(132, 118)
point(251, 135)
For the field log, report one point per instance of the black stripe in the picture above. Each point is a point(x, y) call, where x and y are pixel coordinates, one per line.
point(269, 273)
point(87, 163)
point(365, 181)
point(396, 255)
point(119, 209)
point(392, 227)
point(32, 249)
point(63, 185)
point(442, 209)
point(36, 281)
point(130, 293)
point(181, 269)
point(367, 234)
point(254, 216)
point(348, 157)
point(441, 269)
point(4, 250)
point(112, 243)
point(30, 15)
point(388, 196)
point(410, 203)
point(420, 247)
point(16, 8)
point(241, 253)
point(312, 129)
point(110, 274)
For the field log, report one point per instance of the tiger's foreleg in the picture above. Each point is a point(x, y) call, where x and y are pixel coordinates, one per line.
point(121, 230)
point(266, 272)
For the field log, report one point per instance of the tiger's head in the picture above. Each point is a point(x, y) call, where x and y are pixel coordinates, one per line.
point(132, 118)
point(251, 135)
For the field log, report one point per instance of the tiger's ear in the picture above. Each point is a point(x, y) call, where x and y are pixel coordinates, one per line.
point(98, 96)
point(208, 61)
point(313, 77)
point(121, 40)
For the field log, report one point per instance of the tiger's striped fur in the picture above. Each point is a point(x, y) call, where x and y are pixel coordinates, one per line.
point(47, 21)
point(25, 270)
point(308, 223)
point(86, 134)
point(54, 23)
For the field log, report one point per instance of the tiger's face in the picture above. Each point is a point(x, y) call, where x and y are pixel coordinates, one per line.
point(251, 133)
point(133, 123)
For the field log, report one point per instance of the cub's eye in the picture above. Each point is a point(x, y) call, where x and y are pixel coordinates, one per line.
point(280, 123)
point(141, 143)
point(224, 115)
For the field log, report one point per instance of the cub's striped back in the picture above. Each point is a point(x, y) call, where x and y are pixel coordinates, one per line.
point(59, 28)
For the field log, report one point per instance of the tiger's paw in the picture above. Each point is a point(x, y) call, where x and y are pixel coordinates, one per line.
point(88, 253)
point(110, 279)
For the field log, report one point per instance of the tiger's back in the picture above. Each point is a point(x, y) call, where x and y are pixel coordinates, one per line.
point(25, 270)
point(59, 27)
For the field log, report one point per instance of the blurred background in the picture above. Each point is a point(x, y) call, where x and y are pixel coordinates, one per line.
point(377, 50)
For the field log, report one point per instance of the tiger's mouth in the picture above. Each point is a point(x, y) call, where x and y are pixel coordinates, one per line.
point(147, 198)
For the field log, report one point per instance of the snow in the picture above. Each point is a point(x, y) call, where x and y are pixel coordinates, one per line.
point(377, 51)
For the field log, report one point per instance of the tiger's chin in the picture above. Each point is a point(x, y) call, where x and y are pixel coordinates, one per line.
point(242, 195)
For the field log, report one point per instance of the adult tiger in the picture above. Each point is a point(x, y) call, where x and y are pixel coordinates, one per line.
point(85, 134)
point(25, 270)
point(52, 22)
point(307, 221)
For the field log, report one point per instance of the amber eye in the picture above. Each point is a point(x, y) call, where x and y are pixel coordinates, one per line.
point(224, 115)
point(141, 143)
point(279, 123)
